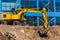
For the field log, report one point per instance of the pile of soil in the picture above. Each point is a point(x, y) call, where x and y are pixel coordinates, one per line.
point(29, 32)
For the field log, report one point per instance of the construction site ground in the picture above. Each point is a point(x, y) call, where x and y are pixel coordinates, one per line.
point(28, 32)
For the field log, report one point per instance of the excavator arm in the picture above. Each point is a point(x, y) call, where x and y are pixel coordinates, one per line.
point(45, 17)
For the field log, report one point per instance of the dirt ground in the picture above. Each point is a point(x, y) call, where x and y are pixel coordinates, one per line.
point(28, 32)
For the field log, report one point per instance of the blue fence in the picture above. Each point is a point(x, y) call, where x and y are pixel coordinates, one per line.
point(53, 7)
point(0, 6)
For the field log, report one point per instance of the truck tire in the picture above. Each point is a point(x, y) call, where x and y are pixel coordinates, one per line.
point(16, 23)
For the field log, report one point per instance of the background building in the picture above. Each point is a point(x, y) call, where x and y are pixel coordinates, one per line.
point(53, 7)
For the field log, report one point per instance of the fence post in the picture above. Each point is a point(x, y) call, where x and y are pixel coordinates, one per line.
point(37, 21)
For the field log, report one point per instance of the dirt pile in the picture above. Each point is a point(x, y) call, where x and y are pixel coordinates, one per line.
point(29, 33)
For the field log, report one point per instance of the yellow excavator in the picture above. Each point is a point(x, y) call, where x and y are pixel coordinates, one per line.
point(17, 15)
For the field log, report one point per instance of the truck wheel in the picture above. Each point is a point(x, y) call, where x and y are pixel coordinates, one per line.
point(16, 22)
point(4, 22)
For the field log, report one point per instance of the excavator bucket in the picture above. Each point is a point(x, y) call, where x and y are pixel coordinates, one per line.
point(42, 32)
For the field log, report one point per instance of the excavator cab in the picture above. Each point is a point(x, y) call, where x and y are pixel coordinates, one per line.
point(14, 11)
